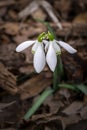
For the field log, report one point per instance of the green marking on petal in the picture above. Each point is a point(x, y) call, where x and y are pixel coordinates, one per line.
point(58, 53)
point(50, 36)
point(33, 52)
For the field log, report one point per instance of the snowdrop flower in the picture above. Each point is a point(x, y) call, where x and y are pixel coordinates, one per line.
point(37, 50)
point(52, 48)
point(52, 51)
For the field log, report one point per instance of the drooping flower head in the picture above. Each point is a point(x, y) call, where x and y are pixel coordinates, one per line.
point(37, 50)
point(45, 50)
point(53, 49)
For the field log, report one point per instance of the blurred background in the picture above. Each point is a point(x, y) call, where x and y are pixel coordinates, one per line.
point(22, 20)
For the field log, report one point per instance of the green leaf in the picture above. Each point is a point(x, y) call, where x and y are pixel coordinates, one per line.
point(38, 103)
point(82, 88)
point(68, 86)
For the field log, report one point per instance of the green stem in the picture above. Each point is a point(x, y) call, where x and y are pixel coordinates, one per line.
point(38, 103)
point(57, 73)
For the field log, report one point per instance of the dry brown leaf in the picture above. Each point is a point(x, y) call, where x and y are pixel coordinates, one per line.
point(13, 15)
point(60, 120)
point(85, 96)
point(9, 57)
point(53, 104)
point(11, 28)
point(26, 32)
point(47, 128)
point(5, 3)
point(5, 105)
point(20, 38)
point(71, 29)
point(33, 6)
point(34, 86)
point(83, 112)
point(64, 6)
point(2, 11)
point(39, 14)
point(7, 80)
point(27, 69)
point(11, 113)
point(72, 119)
point(74, 108)
point(73, 67)
point(5, 39)
point(81, 18)
point(65, 93)
point(28, 55)
point(33, 30)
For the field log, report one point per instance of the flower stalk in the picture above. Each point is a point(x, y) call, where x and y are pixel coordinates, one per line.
point(57, 74)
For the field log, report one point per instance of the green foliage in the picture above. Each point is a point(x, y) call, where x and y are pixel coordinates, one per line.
point(68, 86)
point(82, 88)
point(75, 87)
point(38, 103)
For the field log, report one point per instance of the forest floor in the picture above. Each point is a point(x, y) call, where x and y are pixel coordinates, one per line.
point(20, 86)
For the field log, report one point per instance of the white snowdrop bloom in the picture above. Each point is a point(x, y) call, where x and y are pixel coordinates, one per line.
point(51, 57)
point(24, 45)
point(38, 51)
point(53, 49)
point(39, 59)
point(46, 43)
point(66, 46)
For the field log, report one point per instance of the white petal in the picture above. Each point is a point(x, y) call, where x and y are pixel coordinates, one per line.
point(24, 45)
point(39, 59)
point(51, 57)
point(46, 45)
point(45, 42)
point(57, 48)
point(35, 46)
point(67, 47)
